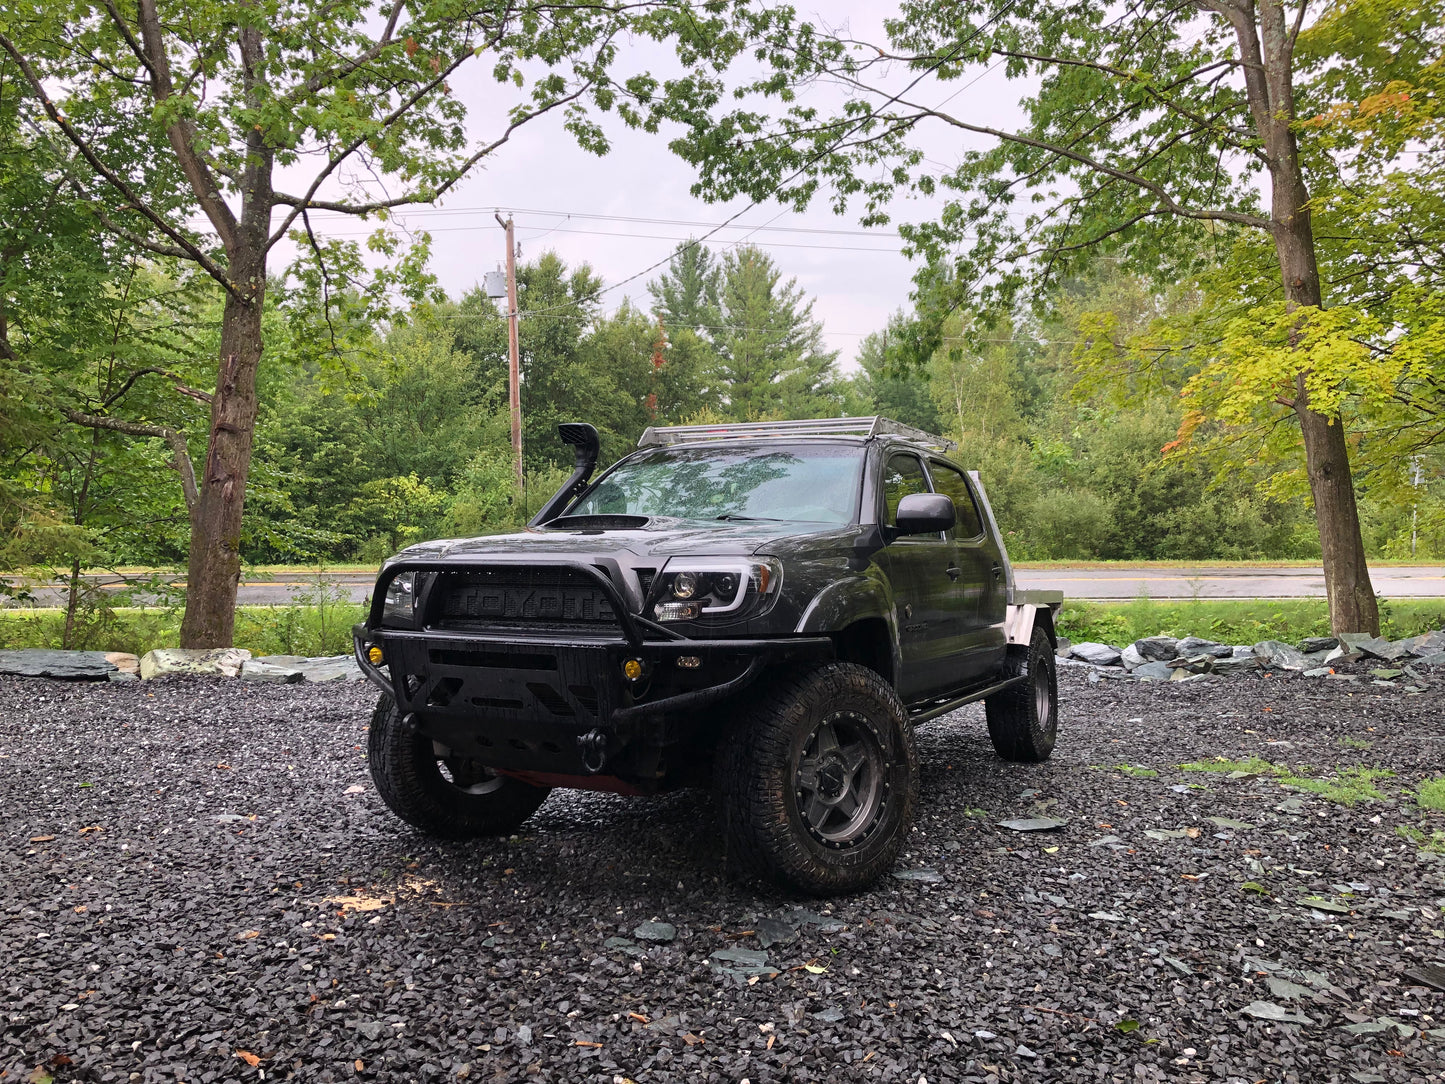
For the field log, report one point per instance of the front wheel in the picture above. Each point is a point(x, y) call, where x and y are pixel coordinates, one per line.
point(1023, 720)
point(819, 781)
point(447, 796)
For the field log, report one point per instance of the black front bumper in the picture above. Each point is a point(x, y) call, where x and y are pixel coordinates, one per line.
point(555, 701)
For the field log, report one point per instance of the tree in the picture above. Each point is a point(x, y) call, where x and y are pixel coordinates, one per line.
point(887, 382)
point(180, 124)
point(686, 295)
point(773, 360)
point(1151, 136)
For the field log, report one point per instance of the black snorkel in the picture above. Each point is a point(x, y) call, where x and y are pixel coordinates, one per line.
point(583, 438)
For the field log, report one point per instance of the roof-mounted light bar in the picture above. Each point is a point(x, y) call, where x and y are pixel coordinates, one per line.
point(658, 436)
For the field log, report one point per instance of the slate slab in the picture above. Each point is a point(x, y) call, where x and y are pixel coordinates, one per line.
point(263, 670)
point(1280, 655)
point(324, 668)
point(64, 665)
point(1097, 654)
point(1362, 643)
point(1154, 671)
point(1235, 664)
point(1157, 648)
point(1310, 644)
point(1195, 645)
point(221, 661)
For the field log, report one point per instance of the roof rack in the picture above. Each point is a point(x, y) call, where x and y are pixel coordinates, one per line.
point(655, 436)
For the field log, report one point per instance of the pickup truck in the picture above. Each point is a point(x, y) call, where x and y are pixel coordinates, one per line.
point(769, 608)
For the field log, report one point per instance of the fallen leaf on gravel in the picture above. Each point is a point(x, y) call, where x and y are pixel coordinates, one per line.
point(249, 1058)
point(1033, 824)
point(693, 1040)
point(355, 788)
point(1127, 1026)
point(90, 828)
point(224, 767)
point(638, 1017)
point(584, 1042)
point(80, 909)
point(358, 1065)
point(1266, 1010)
point(358, 903)
point(41, 839)
point(814, 969)
point(249, 934)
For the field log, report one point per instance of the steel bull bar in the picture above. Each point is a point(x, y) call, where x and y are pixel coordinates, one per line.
point(522, 692)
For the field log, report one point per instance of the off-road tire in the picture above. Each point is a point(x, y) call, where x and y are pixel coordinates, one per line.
point(759, 771)
point(1023, 721)
point(411, 782)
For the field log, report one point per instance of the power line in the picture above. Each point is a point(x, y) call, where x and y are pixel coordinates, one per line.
point(634, 219)
point(651, 237)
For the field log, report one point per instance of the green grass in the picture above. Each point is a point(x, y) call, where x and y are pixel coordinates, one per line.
point(294, 629)
point(1431, 794)
point(1433, 841)
point(1232, 621)
point(1346, 786)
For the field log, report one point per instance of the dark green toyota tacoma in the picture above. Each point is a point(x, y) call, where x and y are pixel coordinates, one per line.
point(769, 608)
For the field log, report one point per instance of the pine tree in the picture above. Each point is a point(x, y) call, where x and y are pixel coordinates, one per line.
point(686, 294)
point(773, 357)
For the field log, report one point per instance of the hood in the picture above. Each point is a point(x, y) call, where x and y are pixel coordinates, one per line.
point(659, 537)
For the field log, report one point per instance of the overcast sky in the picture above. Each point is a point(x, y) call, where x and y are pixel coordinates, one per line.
point(627, 210)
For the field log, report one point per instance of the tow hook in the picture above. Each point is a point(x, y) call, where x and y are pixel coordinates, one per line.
point(593, 745)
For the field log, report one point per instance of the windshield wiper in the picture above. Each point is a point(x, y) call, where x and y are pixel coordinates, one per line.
point(748, 519)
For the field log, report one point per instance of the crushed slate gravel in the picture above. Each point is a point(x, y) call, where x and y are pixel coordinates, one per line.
point(198, 883)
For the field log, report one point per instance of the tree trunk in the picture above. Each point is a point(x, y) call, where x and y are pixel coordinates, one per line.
point(72, 599)
point(1267, 50)
point(214, 571)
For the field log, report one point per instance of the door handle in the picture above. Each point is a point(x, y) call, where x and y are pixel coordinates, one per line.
point(953, 572)
point(997, 571)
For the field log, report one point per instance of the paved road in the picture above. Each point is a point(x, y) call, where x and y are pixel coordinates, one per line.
point(1204, 581)
point(1201, 581)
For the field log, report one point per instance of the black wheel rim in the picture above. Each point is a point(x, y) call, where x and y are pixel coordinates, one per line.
point(841, 781)
point(468, 776)
point(1043, 683)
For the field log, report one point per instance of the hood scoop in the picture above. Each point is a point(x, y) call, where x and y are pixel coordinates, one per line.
point(598, 523)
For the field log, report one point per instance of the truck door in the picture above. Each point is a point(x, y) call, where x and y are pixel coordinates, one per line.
point(980, 575)
point(931, 612)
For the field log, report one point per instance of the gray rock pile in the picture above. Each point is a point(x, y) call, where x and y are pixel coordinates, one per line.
point(220, 662)
point(1165, 658)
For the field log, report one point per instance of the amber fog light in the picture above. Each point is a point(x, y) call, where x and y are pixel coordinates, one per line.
point(632, 669)
point(374, 655)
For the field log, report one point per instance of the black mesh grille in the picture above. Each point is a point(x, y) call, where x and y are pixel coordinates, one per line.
point(552, 596)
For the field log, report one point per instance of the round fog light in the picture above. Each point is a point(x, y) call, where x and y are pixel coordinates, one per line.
point(632, 669)
point(374, 655)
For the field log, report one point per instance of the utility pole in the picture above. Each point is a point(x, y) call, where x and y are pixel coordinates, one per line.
point(514, 369)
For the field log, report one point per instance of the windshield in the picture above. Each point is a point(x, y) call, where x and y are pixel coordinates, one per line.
point(817, 484)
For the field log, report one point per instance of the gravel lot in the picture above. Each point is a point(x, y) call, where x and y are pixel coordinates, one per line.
point(197, 882)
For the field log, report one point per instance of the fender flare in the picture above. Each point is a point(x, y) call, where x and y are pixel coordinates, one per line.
point(847, 601)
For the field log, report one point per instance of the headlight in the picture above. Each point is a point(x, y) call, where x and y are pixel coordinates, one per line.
point(692, 587)
point(400, 605)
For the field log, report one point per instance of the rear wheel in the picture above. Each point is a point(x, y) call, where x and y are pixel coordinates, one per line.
point(445, 796)
point(819, 781)
point(1023, 720)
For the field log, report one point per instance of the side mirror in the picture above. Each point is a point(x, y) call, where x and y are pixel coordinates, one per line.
point(926, 513)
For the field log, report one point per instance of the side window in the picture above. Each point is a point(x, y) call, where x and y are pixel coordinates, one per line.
point(903, 475)
point(950, 481)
